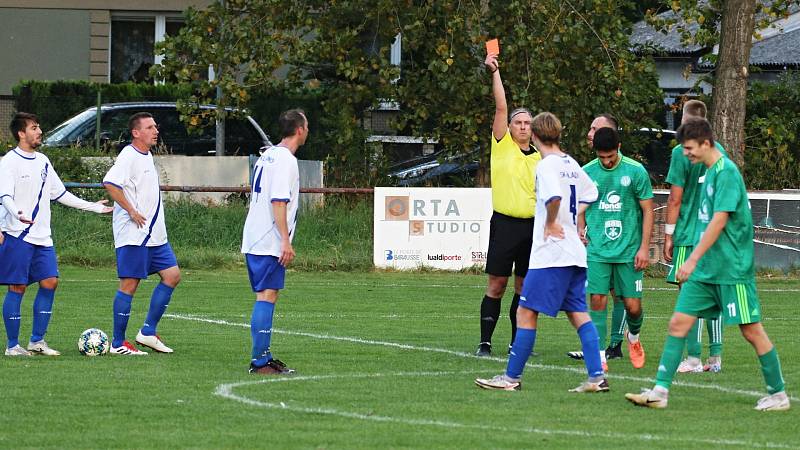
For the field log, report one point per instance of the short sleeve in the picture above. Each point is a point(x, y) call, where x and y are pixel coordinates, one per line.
point(587, 192)
point(727, 193)
point(644, 190)
point(119, 173)
point(679, 167)
point(280, 188)
point(547, 179)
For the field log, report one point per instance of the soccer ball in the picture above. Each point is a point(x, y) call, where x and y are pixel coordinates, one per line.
point(93, 342)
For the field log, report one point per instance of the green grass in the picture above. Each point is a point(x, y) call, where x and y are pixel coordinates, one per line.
point(362, 391)
point(335, 237)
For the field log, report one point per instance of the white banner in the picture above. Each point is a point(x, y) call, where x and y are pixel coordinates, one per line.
point(442, 228)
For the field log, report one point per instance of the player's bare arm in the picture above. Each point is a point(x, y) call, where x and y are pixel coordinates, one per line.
point(118, 196)
point(500, 124)
point(642, 259)
point(673, 212)
point(710, 236)
point(287, 252)
point(551, 226)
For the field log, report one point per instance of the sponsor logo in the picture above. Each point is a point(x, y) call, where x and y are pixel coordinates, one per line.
point(570, 175)
point(402, 255)
point(443, 257)
point(478, 257)
point(432, 216)
point(613, 229)
point(702, 213)
point(710, 190)
point(611, 203)
point(396, 208)
point(625, 180)
point(44, 174)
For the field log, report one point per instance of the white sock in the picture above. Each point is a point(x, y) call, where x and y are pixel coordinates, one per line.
point(633, 338)
point(661, 391)
point(602, 356)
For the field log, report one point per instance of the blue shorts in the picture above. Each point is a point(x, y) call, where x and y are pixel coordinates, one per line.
point(554, 289)
point(25, 263)
point(137, 261)
point(265, 272)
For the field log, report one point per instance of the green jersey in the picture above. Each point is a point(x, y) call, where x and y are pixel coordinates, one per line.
point(614, 222)
point(730, 259)
point(689, 176)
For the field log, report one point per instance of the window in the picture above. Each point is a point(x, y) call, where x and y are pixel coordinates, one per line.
point(133, 39)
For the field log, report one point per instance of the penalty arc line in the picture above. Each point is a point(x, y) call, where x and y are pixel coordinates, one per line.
point(463, 355)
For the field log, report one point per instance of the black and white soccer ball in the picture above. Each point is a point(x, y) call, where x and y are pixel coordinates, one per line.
point(93, 342)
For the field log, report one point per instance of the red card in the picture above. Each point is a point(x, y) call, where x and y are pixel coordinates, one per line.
point(493, 47)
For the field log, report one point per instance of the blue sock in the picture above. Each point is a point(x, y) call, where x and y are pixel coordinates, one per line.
point(42, 311)
point(11, 317)
point(261, 332)
point(158, 304)
point(122, 311)
point(590, 343)
point(520, 351)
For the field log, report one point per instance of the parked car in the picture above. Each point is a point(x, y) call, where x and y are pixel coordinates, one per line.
point(649, 145)
point(242, 136)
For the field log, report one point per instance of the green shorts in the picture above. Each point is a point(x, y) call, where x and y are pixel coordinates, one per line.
point(626, 281)
point(738, 303)
point(679, 255)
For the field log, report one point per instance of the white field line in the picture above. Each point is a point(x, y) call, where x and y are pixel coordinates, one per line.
point(450, 316)
point(400, 346)
point(227, 391)
point(372, 285)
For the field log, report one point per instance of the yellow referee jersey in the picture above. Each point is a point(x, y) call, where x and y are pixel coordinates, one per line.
point(513, 178)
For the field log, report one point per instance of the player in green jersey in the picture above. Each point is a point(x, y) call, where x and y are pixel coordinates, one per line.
point(719, 276)
point(618, 229)
point(686, 181)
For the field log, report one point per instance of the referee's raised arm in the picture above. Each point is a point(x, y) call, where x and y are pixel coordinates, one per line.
point(500, 124)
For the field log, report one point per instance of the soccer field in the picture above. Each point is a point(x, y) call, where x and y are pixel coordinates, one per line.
point(384, 360)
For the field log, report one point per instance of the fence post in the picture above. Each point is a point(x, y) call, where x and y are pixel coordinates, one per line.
point(97, 121)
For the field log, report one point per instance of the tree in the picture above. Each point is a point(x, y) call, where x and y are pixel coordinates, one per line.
point(732, 25)
point(565, 56)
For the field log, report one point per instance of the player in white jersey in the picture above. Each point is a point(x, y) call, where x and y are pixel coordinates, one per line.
point(556, 279)
point(268, 233)
point(140, 236)
point(28, 183)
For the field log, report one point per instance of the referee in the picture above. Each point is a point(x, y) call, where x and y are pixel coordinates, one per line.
point(513, 165)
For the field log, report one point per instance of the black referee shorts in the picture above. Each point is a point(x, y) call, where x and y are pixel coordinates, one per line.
point(509, 245)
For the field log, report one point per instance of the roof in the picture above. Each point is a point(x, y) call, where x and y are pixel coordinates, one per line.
point(645, 35)
point(778, 51)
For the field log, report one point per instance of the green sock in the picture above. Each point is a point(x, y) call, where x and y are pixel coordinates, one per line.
point(599, 320)
point(714, 336)
point(771, 369)
point(694, 339)
point(635, 324)
point(670, 359)
point(618, 322)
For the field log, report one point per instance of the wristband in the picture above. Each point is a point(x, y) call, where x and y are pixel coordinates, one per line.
point(669, 228)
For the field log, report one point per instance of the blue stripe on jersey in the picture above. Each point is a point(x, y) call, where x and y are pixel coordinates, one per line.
point(115, 185)
point(5, 195)
point(38, 201)
point(155, 216)
point(60, 195)
point(552, 198)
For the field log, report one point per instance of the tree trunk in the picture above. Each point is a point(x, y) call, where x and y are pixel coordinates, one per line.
point(730, 84)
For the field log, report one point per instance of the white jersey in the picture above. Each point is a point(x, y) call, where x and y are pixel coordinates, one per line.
point(30, 180)
point(275, 178)
point(135, 173)
point(560, 177)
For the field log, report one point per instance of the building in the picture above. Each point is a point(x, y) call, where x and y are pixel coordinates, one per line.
point(681, 68)
point(94, 40)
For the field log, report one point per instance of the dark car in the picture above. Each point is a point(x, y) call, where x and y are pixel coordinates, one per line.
point(650, 146)
point(242, 136)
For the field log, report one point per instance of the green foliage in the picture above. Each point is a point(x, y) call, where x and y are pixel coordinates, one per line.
point(571, 58)
point(772, 159)
point(55, 101)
